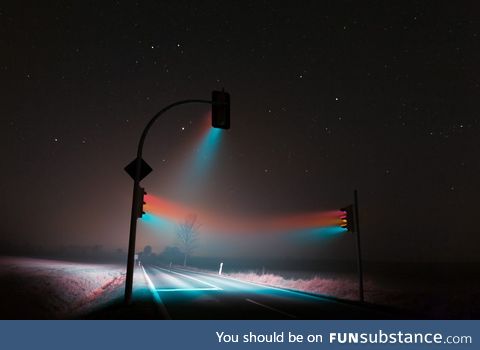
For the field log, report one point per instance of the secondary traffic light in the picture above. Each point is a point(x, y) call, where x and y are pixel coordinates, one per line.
point(221, 109)
point(140, 202)
point(346, 219)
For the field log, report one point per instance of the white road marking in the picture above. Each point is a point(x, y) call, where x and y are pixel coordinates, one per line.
point(164, 280)
point(156, 296)
point(300, 293)
point(271, 308)
point(192, 278)
point(259, 285)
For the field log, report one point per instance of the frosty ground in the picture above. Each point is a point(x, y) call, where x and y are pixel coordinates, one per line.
point(427, 298)
point(51, 289)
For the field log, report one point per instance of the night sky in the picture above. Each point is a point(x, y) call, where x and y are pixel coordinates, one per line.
point(327, 96)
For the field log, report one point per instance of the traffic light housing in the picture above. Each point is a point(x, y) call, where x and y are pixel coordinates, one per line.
point(140, 202)
point(347, 219)
point(221, 109)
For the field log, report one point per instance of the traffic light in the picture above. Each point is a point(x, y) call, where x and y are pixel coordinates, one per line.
point(346, 219)
point(221, 109)
point(140, 202)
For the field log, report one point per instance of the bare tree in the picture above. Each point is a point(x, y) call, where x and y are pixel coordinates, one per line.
point(187, 235)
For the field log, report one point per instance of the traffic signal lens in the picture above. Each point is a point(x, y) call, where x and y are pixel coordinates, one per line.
point(346, 218)
point(221, 109)
point(140, 202)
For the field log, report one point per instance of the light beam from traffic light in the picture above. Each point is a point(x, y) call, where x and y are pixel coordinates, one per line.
point(157, 222)
point(197, 165)
point(324, 223)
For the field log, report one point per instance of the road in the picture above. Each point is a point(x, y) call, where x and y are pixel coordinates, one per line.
point(183, 294)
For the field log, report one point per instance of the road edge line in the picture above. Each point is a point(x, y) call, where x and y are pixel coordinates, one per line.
point(156, 297)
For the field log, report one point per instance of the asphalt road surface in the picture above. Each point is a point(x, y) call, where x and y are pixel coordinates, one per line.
point(183, 294)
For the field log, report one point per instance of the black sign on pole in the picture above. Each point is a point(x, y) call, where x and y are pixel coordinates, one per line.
point(145, 169)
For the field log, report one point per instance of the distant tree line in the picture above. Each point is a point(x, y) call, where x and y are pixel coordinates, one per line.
point(169, 255)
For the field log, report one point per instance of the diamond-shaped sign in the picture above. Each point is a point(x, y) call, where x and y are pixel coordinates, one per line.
point(145, 169)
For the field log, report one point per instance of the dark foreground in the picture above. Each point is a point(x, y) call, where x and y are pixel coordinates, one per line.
point(32, 288)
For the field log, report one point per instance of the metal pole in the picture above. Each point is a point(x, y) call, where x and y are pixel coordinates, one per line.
point(136, 188)
point(359, 249)
point(131, 244)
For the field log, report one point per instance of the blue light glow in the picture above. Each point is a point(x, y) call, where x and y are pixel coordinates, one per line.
point(201, 161)
point(157, 222)
point(206, 151)
point(331, 230)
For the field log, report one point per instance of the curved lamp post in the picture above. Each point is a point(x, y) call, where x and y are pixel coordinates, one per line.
point(138, 169)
